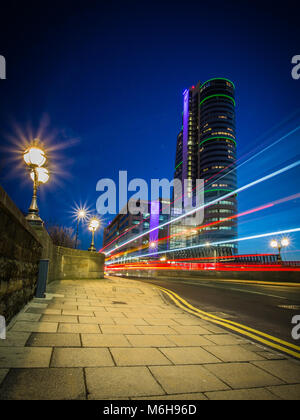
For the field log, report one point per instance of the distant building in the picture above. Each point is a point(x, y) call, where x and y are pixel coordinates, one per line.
point(206, 149)
point(125, 227)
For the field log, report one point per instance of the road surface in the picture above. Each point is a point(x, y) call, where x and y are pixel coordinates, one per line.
point(267, 308)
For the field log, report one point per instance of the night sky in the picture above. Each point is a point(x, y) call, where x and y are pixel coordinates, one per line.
point(105, 81)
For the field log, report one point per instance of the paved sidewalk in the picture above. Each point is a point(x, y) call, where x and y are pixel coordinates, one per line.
point(120, 339)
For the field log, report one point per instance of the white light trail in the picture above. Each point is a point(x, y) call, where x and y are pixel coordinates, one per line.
point(246, 238)
point(229, 172)
point(194, 210)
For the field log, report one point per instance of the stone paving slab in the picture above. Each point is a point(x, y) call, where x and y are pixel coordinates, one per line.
point(77, 312)
point(286, 392)
point(189, 340)
point(96, 320)
point(160, 321)
point(120, 382)
point(53, 384)
point(119, 329)
point(38, 305)
point(161, 330)
point(150, 340)
point(130, 321)
point(270, 356)
point(233, 353)
point(54, 340)
point(19, 357)
point(118, 339)
point(104, 340)
point(64, 307)
point(139, 357)
point(59, 318)
point(214, 329)
point(187, 321)
point(24, 326)
point(15, 339)
point(243, 375)
point(44, 311)
point(100, 309)
point(25, 316)
point(257, 394)
point(282, 369)
point(189, 355)
point(78, 328)
point(192, 329)
point(81, 357)
point(225, 339)
point(185, 379)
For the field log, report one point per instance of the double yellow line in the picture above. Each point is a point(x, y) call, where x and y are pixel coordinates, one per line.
point(266, 339)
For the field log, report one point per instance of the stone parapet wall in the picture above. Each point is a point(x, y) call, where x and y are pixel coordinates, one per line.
point(20, 252)
point(22, 246)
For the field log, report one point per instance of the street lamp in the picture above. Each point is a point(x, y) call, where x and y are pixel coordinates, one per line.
point(35, 158)
point(80, 215)
point(93, 226)
point(279, 245)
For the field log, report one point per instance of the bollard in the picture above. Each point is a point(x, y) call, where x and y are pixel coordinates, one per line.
point(42, 278)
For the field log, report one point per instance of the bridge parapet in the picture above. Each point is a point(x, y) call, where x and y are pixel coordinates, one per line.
point(21, 248)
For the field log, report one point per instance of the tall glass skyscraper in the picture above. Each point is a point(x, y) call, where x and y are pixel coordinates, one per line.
point(206, 149)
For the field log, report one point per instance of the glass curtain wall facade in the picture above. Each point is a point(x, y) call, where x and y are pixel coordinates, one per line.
point(206, 149)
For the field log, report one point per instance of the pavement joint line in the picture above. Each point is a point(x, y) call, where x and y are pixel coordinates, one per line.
point(275, 376)
point(231, 325)
point(157, 381)
point(85, 383)
point(51, 358)
point(112, 356)
point(222, 379)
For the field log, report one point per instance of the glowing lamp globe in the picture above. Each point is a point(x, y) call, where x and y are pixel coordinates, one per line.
point(42, 175)
point(274, 244)
point(34, 156)
point(285, 242)
point(81, 214)
point(94, 224)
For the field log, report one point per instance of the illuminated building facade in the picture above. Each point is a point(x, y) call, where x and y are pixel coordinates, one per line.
point(206, 149)
point(125, 227)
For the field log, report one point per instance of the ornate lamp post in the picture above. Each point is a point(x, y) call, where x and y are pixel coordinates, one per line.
point(93, 226)
point(279, 245)
point(35, 158)
point(80, 215)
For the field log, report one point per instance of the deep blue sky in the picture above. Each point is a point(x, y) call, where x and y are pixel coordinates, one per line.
point(111, 76)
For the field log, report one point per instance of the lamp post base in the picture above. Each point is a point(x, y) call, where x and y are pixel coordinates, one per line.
point(92, 248)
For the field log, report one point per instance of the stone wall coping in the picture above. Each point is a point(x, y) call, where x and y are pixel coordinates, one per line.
point(77, 252)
